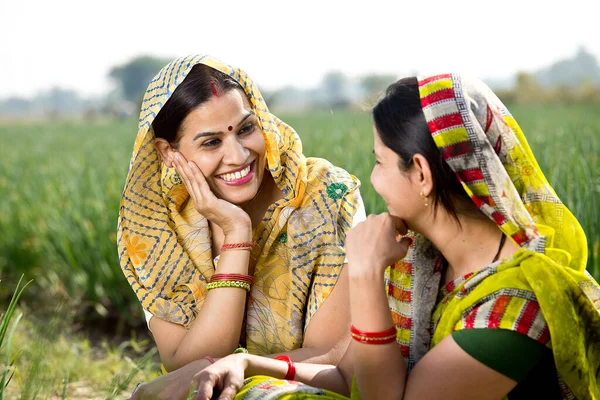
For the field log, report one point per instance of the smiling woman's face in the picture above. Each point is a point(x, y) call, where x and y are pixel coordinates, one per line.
point(223, 138)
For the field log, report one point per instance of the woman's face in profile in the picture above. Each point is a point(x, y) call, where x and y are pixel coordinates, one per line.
point(401, 195)
point(223, 138)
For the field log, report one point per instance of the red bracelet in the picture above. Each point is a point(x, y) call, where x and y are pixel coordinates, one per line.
point(291, 372)
point(232, 277)
point(387, 332)
point(210, 359)
point(366, 340)
point(383, 337)
point(238, 246)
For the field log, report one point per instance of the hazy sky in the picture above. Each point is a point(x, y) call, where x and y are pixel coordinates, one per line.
point(73, 44)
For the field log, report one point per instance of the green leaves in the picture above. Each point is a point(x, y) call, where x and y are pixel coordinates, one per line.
point(6, 341)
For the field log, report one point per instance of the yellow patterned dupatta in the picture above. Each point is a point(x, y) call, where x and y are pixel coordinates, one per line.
point(165, 245)
point(544, 290)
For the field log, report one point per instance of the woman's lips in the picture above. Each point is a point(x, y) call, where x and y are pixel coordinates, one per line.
point(238, 181)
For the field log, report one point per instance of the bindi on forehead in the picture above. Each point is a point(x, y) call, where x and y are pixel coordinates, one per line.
point(230, 128)
point(213, 87)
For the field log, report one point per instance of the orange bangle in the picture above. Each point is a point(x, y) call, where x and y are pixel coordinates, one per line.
point(238, 246)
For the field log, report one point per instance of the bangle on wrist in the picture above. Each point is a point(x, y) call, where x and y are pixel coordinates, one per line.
point(291, 372)
point(238, 246)
point(240, 350)
point(381, 337)
point(223, 284)
point(232, 277)
point(210, 359)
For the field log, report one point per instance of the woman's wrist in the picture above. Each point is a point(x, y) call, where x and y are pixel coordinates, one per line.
point(238, 234)
point(365, 273)
point(246, 362)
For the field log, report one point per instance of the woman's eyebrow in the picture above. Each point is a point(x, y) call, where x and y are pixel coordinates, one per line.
point(204, 134)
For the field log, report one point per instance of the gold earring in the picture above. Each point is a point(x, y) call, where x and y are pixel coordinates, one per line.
point(425, 199)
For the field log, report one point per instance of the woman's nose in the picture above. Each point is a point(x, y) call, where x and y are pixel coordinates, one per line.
point(235, 153)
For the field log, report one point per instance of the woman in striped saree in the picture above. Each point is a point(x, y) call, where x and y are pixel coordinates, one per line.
point(491, 299)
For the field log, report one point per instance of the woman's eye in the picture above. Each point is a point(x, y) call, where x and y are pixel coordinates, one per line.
point(246, 129)
point(211, 143)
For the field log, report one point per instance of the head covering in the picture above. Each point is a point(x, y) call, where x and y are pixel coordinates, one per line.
point(165, 245)
point(485, 147)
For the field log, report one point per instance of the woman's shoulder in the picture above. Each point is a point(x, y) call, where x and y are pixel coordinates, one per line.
point(322, 173)
point(504, 301)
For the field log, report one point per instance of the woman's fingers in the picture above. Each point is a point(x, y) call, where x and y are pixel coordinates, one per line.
point(200, 179)
point(231, 386)
point(399, 225)
point(189, 177)
point(206, 385)
point(376, 236)
point(228, 393)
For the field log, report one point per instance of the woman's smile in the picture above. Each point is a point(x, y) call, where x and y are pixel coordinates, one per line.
point(238, 177)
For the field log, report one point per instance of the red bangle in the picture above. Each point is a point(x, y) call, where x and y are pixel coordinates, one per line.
point(291, 372)
point(387, 332)
point(366, 340)
point(383, 337)
point(232, 277)
point(238, 246)
point(210, 359)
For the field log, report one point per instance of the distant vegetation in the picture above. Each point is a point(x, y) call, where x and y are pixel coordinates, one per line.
point(572, 80)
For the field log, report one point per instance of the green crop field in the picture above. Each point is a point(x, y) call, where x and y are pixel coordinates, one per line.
point(60, 186)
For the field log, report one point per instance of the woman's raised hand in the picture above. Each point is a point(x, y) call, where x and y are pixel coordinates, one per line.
point(229, 217)
point(371, 246)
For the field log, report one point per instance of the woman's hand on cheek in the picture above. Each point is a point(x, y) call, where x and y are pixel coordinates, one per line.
point(371, 246)
point(231, 218)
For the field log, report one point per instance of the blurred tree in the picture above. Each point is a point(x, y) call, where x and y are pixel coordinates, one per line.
point(58, 101)
point(589, 91)
point(134, 76)
point(336, 89)
point(579, 69)
point(15, 106)
point(527, 88)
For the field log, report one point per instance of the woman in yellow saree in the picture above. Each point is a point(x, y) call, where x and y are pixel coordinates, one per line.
point(227, 233)
point(491, 299)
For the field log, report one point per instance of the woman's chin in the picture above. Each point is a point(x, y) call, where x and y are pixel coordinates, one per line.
point(239, 199)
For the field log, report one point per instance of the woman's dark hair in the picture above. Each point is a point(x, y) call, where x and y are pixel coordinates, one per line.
point(402, 127)
point(201, 83)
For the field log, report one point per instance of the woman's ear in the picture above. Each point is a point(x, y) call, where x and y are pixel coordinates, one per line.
point(165, 151)
point(423, 174)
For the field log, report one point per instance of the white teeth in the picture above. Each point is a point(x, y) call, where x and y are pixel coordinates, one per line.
point(236, 175)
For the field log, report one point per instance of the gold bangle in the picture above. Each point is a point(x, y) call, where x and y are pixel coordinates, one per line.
point(372, 339)
point(222, 284)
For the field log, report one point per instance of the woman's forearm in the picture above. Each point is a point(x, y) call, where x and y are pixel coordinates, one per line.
point(379, 368)
point(318, 375)
point(216, 330)
point(318, 355)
